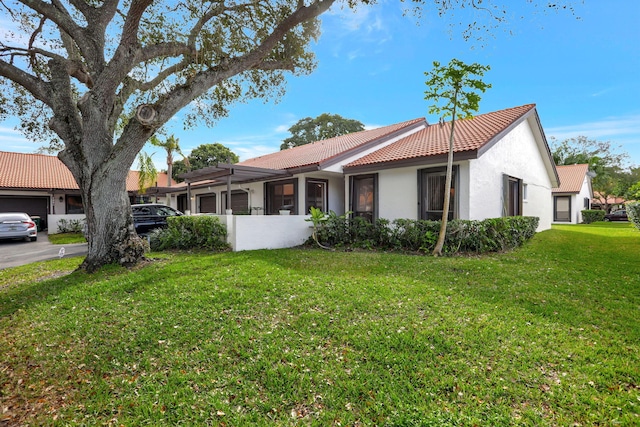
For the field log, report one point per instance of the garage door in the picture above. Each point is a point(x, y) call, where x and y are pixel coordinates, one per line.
point(239, 201)
point(208, 204)
point(34, 206)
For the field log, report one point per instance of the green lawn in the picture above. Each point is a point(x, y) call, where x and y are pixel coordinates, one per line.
point(548, 335)
point(66, 238)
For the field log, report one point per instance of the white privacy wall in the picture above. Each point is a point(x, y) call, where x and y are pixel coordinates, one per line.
point(250, 232)
point(516, 154)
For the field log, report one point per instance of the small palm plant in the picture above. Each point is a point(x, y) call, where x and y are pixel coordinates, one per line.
point(317, 218)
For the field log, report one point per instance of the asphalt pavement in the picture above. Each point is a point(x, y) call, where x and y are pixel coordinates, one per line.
point(14, 253)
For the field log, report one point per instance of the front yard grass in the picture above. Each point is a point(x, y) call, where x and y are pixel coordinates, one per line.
point(66, 238)
point(547, 335)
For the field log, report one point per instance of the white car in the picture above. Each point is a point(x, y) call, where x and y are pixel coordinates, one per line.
point(17, 225)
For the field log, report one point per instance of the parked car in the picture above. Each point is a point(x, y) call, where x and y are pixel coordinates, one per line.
point(18, 225)
point(149, 216)
point(620, 215)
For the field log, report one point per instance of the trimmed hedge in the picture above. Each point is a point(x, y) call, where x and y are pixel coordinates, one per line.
point(463, 236)
point(190, 232)
point(592, 215)
point(633, 212)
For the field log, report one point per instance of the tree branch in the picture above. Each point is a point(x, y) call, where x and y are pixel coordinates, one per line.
point(58, 14)
point(35, 86)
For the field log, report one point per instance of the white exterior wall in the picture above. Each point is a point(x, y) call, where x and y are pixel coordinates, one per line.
point(250, 232)
point(517, 155)
point(53, 220)
point(398, 191)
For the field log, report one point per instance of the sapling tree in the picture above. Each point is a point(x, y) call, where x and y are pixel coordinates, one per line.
point(454, 88)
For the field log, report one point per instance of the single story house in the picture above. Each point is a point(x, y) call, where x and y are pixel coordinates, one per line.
point(608, 204)
point(502, 167)
point(41, 185)
point(574, 193)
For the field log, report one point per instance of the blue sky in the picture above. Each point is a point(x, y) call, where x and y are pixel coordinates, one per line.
point(582, 71)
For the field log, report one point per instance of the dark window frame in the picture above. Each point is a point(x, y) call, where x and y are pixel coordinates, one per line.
point(271, 207)
point(422, 189)
point(73, 208)
point(555, 209)
point(371, 215)
point(512, 205)
point(325, 196)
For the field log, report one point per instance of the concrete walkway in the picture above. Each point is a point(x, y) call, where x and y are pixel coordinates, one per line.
point(14, 253)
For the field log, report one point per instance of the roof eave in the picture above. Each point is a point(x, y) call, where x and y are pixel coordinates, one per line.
point(415, 161)
point(326, 163)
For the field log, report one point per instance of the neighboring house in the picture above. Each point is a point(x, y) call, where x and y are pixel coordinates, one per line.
point(574, 193)
point(502, 167)
point(608, 204)
point(41, 185)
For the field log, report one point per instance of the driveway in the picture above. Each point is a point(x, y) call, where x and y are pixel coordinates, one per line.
point(14, 253)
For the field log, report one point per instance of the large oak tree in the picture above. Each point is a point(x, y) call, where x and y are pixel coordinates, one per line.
point(102, 76)
point(325, 126)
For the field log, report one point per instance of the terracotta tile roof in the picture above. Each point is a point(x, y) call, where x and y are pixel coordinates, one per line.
point(470, 135)
point(612, 200)
point(43, 172)
point(322, 151)
point(571, 178)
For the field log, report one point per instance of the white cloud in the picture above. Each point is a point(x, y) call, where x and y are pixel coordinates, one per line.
point(363, 25)
point(12, 140)
point(609, 127)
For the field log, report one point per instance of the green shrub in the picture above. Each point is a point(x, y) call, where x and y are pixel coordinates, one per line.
point(592, 215)
point(463, 236)
point(633, 212)
point(190, 232)
point(70, 226)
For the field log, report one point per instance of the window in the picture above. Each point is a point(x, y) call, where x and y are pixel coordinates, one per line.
point(74, 204)
point(512, 196)
point(316, 195)
point(432, 186)
point(138, 200)
point(562, 208)
point(183, 206)
point(207, 203)
point(281, 195)
point(363, 196)
point(239, 202)
point(587, 203)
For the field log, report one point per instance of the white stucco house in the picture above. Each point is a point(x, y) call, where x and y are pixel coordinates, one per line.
point(573, 195)
point(502, 167)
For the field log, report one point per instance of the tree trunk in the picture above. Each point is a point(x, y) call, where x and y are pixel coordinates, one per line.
point(437, 251)
point(100, 169)
point(111, 235)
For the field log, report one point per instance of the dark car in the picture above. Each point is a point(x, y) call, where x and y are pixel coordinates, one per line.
point(620, 215)
point(150, 216)
point(18, 225)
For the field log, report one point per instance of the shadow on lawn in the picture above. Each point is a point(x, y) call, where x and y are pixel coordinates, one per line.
point(22, 296)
